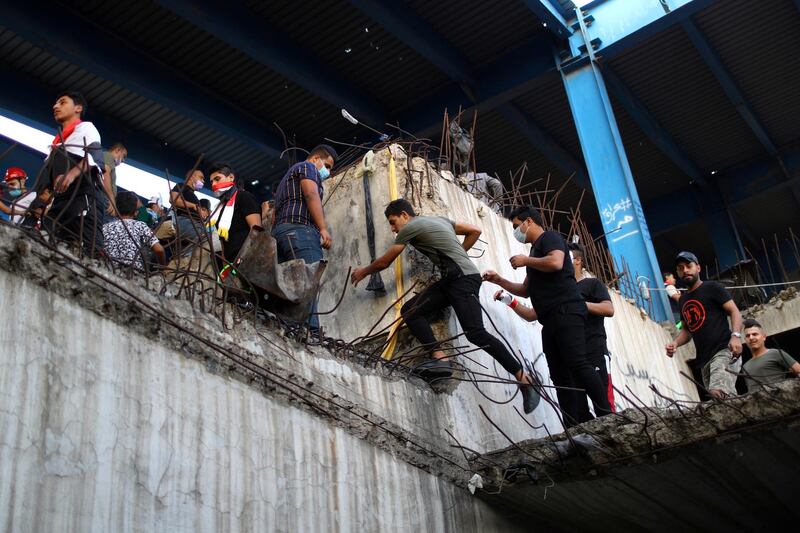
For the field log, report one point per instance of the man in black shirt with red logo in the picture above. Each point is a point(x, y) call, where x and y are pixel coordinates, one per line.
point(560, 308)
point(705, 308)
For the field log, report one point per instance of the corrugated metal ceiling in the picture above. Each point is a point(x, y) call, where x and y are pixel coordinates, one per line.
point(758, 46)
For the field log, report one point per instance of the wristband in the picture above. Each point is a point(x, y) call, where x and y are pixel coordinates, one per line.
point(513, 303)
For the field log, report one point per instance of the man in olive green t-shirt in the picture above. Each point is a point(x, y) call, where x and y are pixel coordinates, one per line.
point(436, 238)
point(767, 366)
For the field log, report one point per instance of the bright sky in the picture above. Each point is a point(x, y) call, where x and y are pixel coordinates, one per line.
point(142, 182)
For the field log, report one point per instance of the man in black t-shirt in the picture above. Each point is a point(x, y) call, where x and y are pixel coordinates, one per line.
point(599, 306)
point(705, 308)
point(186, 205)
point(237, 212)
point(550, 284)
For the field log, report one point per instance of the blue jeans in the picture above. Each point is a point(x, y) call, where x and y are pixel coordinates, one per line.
point(298, 241)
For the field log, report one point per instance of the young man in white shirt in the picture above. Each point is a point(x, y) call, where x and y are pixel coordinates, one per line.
point(73, 166)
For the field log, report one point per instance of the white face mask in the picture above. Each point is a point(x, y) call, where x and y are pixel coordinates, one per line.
point(197, 185)
point(519, 234)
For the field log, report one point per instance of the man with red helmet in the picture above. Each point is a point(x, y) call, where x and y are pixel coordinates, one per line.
point(16, 199)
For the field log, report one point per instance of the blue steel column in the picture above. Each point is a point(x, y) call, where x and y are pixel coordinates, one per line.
point(612, 181)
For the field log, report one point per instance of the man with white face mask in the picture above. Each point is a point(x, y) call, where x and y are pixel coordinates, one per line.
point(559, 308)
point(187, 206)
point(300, 228)
point(237, 212)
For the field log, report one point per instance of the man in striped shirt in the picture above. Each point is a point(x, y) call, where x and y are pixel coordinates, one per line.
point(300, 229)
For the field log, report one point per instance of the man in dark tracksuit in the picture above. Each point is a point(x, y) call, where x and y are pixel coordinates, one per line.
point(599, 306)
point(560, 308)
point(436, 238)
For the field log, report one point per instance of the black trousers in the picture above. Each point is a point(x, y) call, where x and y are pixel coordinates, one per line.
point(597, 358)
point(75, 220)
point(564, 344)
point(461, 293)
point(73, 216)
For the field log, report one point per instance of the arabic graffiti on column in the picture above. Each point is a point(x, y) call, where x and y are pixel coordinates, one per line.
point(616, 217)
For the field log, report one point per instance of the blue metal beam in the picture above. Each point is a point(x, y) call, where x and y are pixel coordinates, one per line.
point(419, 36)
point(266, 45)
point(551, 16)
point(545, 144)
point(621, 24)
point(87, 47)
point(621, 212)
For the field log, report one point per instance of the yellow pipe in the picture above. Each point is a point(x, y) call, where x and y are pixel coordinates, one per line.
point(394, 194)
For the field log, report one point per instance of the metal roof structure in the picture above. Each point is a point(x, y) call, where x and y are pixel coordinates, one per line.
point(706, 94)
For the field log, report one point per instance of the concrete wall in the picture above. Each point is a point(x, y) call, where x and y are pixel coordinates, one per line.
point(779, 315)
point(105, 429)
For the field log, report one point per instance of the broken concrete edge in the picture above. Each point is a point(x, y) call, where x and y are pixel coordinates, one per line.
point(643, 435)
point(170, 322)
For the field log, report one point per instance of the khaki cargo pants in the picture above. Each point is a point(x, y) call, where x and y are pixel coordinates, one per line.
point(720, 373)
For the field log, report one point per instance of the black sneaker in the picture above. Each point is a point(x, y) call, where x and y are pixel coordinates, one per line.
point(435, 369)
point(530, 398)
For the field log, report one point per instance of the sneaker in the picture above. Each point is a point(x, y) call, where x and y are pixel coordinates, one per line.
point(435, 368)
point(530, 398)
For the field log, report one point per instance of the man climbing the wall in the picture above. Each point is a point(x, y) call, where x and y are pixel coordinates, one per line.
point(436, 238)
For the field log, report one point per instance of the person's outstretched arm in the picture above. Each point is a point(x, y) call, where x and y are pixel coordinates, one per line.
point(523, 311)
point(379, 264)
point(517, 289)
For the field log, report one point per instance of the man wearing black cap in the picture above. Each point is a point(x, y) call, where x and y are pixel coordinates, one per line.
point(300, 229)
point(705, 308)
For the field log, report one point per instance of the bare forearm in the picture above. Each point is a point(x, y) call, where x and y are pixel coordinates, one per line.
point(683, 338)
point(525, 312)
point(314, 205)
point(517, 289)
point(470, 240)
point(178, 201)
point(736, 320)
point(605, 309)
point(547, 263)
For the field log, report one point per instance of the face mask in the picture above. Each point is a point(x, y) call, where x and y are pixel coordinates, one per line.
point(324, 173)
point(15, 192)
point(519, 234)
point(221, 188)
point(117, 162)
point(197, 185)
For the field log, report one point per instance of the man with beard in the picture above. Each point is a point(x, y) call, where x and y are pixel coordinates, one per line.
point(705, 309)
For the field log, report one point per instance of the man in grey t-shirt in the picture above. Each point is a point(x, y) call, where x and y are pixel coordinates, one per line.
point(767, 366)
point(436, 237)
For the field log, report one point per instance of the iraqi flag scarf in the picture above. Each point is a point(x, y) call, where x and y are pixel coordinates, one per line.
point(223, 214)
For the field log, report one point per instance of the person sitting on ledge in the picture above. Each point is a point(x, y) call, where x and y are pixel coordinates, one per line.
point(436, 238)
point(126, 239)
